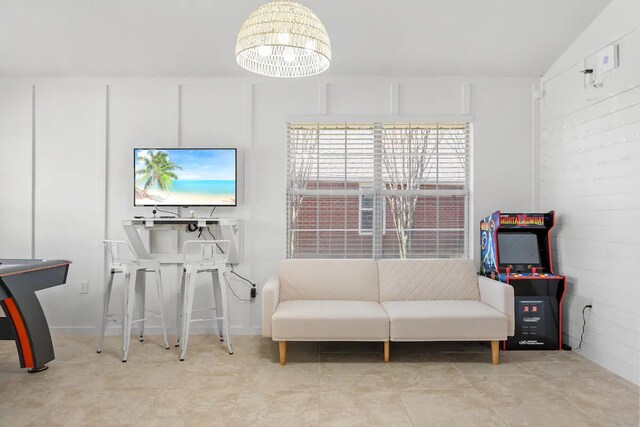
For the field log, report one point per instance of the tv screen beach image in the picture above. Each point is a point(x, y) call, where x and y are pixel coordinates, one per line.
point(184, 177)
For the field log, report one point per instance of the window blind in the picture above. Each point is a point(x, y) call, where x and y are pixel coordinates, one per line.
point(377, 190)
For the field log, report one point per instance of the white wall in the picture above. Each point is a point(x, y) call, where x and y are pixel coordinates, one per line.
point(16, 166)
point(85, 131)
point(590, 174)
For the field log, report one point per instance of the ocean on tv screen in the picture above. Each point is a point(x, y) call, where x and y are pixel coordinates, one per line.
point(185, 177)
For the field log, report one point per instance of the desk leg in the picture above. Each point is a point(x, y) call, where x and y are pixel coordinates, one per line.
point(230, 232)
point(136, 241)
point(141, 286)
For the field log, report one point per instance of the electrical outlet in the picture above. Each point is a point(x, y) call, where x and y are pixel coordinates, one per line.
point(84, 287)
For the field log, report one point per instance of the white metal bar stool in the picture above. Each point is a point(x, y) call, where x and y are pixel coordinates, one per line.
point(211, 257)
point(129, 268)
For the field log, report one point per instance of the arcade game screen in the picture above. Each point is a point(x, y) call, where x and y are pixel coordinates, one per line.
point(518, 248)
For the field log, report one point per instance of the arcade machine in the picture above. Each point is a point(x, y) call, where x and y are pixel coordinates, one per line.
point(515, 249)
point(25, 322)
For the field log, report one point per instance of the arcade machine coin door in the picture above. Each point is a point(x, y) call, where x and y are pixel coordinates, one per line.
point(515, 248)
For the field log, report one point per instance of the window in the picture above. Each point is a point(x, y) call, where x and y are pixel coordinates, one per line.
point(366, 215)
point(377, 190)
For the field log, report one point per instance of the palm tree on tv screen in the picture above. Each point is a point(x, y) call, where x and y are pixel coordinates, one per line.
point(157, 170)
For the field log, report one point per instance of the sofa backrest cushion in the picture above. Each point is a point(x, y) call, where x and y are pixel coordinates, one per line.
point(328, 279)
point(428, 280)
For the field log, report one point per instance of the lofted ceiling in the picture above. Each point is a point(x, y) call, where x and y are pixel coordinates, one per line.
point(196, 38)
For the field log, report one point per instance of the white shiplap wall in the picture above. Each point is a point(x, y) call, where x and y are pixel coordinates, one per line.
point(590, 174)
point(66, 162)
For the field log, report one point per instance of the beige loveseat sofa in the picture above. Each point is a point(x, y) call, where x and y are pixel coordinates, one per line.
point(387, 300)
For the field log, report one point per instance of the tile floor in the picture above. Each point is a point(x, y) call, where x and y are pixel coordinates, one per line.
point(328, 384)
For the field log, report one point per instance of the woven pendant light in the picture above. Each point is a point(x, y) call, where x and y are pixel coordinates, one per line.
point(283, 39)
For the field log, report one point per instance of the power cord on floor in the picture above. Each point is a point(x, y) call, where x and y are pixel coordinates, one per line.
point(584, 324)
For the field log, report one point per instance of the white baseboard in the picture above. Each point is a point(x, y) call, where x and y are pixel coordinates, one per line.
point(149, 330)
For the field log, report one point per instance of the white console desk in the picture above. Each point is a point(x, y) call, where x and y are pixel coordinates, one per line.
point(229, 229)
point(138, 232)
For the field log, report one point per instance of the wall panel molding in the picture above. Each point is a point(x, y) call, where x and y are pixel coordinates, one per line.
point(248, 113)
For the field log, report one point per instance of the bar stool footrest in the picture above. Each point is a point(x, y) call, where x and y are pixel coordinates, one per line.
point(207, 319)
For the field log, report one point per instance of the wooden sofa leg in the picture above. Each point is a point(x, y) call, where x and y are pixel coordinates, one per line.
point(386, 351)
point(282, 346)
point(495, 352)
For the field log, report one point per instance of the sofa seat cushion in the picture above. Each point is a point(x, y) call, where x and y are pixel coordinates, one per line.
point(322, 320)
point(445, 321)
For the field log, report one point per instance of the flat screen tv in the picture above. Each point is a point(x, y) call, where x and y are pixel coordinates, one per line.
point(185, 176)
point(518, 248)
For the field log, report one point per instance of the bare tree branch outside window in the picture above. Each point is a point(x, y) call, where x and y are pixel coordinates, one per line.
point(408, 164)
point(302, 158)
point(415, 179)
point(410, 158)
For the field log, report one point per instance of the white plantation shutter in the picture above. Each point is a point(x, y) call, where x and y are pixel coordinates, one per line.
point(377, 190)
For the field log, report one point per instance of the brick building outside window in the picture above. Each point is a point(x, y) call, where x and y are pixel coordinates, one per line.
point(378, 190)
